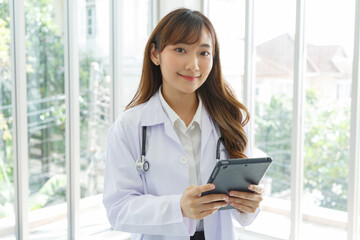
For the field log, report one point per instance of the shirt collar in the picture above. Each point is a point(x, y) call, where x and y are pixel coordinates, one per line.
point(173, 115)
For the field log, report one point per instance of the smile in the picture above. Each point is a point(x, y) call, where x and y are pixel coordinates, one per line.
point(189, 78)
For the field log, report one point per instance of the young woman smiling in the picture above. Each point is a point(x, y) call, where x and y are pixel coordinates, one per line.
point(161, 149)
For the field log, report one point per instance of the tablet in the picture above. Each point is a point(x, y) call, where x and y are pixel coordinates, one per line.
point(237, 174)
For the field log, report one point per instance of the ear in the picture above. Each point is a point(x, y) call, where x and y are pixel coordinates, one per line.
point(154, 55)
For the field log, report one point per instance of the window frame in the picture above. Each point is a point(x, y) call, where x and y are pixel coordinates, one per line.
point(19, 115)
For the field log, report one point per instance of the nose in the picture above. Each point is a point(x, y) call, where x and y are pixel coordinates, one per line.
point(192, 63)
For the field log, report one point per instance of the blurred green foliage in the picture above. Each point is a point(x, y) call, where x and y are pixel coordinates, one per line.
point(326, 147)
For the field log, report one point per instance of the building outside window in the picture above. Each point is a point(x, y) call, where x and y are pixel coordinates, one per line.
point(91, 19)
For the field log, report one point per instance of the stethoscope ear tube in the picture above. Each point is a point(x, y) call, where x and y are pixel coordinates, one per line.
point(143, 166)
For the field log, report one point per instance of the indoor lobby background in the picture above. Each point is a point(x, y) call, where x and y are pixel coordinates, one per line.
point(69, 67)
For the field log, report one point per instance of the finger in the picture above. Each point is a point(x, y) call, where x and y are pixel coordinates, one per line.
point(243, 208)
point(191, 187)
point(256, 188)
point(202, 188)
point(245, 202)
point(196, 212)
point(214, 198)
point(206, 213)
point(211, 206)
point(246, 195)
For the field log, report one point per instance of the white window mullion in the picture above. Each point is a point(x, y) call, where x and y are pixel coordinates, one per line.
point(154, 14)
point(72, 117)
point(297, 149)
point(249, 69)
point(116, 65)
point(205, 7)
point(354, 165)
point(19, 115)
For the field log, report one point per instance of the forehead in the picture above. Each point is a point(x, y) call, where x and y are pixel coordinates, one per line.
point(203, 40)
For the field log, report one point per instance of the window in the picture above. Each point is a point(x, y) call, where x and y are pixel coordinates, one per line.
point(327, 120)
point(95, 119)
point(6, 156)
point(46, 110)
point(328, 80)
point(231, 40)
point(135, 36)
point(46, 113)
point(274, 30)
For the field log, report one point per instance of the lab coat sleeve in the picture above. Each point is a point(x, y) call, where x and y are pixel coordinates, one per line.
point(244, 219)
point(128, 208)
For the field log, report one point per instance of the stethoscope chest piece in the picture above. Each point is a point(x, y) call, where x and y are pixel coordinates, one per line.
point(142, 165)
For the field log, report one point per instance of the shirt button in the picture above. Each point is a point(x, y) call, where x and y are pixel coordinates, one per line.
point(183, 160)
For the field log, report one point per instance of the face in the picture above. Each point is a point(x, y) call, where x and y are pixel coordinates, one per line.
point(184, 67)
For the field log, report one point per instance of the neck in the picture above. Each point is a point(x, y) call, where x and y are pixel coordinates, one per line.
point(184, 104)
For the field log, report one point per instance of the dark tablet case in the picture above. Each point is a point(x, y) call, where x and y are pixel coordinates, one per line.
point(237, 174)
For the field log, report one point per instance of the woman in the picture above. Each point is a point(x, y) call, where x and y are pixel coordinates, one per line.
point(186, 106)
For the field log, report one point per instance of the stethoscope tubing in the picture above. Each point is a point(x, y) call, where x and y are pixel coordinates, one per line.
point(143, 166)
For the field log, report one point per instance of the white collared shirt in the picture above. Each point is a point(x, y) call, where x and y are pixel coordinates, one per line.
point(190, 138)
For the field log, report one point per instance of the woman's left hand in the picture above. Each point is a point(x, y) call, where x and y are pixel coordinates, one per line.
point(247, 202)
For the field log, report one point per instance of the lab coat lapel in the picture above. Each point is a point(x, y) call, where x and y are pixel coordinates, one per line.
point(153, 114)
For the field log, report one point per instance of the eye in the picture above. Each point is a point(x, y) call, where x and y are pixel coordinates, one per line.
point(180, 50)
point(205, 53)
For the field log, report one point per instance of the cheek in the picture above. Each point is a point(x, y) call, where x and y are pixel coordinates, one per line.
point(207, 66)
point(170, 63)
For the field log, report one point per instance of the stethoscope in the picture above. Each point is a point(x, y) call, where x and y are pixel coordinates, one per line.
point(143, 166)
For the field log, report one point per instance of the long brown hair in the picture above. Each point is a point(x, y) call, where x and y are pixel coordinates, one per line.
point(184, 26)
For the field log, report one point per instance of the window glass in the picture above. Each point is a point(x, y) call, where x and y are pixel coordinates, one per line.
point(95, 90)
point(137, 28)
point(327, 118)
point(231, 32)
point(274, 32)
point(94, 77)
point(44, 29)
point(7, 221)
point(95, 119)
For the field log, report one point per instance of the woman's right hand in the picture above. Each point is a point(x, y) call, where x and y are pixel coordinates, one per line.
point(195, 206)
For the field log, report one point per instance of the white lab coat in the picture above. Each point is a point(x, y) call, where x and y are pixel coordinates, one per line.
point(149, 205)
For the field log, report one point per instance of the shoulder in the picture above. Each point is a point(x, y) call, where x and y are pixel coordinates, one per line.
point(132, 115)
point(129, 118)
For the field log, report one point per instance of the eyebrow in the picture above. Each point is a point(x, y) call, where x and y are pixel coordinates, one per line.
point(205, 45)
point(201, 45)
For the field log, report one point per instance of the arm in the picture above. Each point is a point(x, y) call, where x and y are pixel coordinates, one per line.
point(128, 208)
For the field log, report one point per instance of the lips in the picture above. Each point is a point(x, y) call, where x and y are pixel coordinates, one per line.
point(189, 78)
